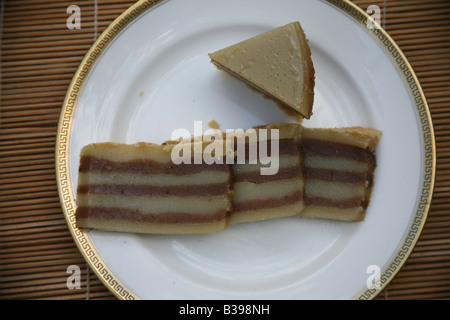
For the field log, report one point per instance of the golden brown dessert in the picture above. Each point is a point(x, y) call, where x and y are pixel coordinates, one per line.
point(339, 164)
point(137, 188)
point(277, 63)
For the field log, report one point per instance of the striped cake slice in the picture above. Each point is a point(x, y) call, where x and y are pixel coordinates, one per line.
point(339, 164)
point(138, 188)
point(261, 195)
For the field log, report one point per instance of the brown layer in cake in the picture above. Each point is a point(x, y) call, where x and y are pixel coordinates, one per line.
point(336, 175)
point(145, 166)
point(337, 149)
point(285, 147)
point(151, 190)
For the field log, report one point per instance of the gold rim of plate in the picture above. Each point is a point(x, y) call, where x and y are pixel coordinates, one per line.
point(65, 127)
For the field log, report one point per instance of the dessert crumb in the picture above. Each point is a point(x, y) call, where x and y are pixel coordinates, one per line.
point(213, 124)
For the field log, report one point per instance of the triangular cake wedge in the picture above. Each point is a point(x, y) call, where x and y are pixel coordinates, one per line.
point(277, 63)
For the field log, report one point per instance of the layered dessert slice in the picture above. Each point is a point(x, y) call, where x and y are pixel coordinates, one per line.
point(269, 185)
point(339, 165)
point(267, 172)
point(277, 63)
point(138, 188)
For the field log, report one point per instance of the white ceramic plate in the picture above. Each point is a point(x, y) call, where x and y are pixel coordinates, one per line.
point(149, 74)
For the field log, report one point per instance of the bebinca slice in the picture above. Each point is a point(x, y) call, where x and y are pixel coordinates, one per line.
point(339, 165)
point(138, 188)
point(277, 63)
point(260, 193)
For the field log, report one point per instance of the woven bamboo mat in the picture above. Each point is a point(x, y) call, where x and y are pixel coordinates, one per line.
point(39, 56)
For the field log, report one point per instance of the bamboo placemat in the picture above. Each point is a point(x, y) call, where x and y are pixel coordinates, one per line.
point(39, 56)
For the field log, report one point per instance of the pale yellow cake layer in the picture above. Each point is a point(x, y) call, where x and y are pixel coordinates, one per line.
point(248, 191)
point(152, 228)
point(267, 213)
point(320, 212)
point(157, 204)
point(128, 152)
point(149, 151)
point(333, 190)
